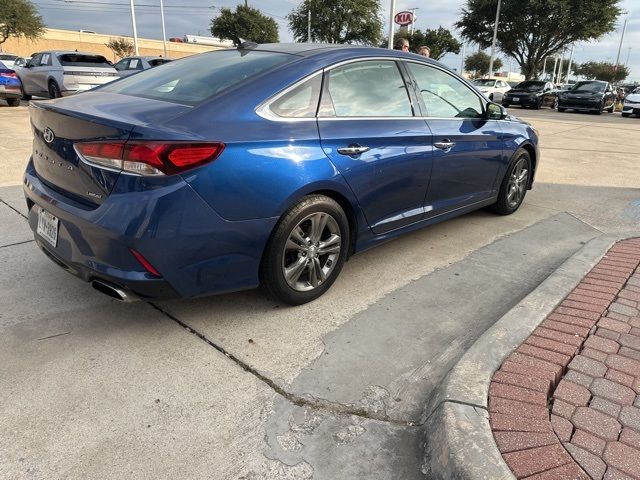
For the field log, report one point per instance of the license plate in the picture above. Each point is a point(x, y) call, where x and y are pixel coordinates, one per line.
point(516, 99)
point(48, 227)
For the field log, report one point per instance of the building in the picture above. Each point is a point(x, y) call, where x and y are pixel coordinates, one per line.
point(55, 39)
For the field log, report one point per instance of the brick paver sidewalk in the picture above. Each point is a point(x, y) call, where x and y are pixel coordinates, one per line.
point(566, 404)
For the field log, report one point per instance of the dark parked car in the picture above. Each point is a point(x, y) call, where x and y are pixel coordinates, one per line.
point(531, 93)
point(263, 165)
point(591, 95)
point(130, 65)
point(9, 86)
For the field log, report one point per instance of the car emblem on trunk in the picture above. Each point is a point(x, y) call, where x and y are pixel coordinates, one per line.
point(48, 135)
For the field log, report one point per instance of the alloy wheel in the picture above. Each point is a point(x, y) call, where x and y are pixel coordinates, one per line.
point(311, 252)
point(518, 183)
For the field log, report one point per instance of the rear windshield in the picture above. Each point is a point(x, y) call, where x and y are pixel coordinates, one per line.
point(192, 80)
point(159, 61)
point(530, 86)
point(80, 60)
point(6, 56)
point(589, 87)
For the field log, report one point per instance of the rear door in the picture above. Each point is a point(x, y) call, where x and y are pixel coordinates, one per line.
point(468, 149)
point(28, 75)
point(369, 131)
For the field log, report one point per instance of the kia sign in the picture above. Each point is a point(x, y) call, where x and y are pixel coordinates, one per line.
point(403, 18)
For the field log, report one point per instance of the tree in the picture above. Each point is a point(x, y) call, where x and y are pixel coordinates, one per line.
point(531, 30)
point(19, 18)
point(478, 63)
point(121, 47)
point(245, 23)
point(439, 41)
point(602, 71)
point(338, 21)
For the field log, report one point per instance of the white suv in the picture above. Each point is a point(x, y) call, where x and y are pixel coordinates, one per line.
point(61, 73)
point(631, 104)
point(492, 88)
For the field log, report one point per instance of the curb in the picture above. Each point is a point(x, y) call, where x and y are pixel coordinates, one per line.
point(459, 441)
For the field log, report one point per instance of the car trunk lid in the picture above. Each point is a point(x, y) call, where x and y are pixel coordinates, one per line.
point(98, 116)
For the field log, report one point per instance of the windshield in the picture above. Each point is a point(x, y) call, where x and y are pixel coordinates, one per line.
point(484, 83)
point(588, 87)
point(193, 79)
point(530, 86)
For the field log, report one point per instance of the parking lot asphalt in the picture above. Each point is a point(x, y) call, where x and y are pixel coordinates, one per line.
point(237, 386)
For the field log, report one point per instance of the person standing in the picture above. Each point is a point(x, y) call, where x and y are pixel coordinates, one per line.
point(401, 44)
point(424, 51)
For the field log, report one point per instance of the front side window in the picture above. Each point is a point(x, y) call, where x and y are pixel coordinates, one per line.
point(300, 102)
point(122, 64)
point(370, 88)
point(444, 95)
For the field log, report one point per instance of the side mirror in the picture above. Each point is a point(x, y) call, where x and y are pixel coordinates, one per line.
point(495, 111)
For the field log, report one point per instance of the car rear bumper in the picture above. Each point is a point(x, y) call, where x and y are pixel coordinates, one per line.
point(10, 91)
point(525, 101)
point(196, 251)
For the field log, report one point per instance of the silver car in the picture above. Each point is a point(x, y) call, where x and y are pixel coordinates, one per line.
point(130, 65)
point(59, 73)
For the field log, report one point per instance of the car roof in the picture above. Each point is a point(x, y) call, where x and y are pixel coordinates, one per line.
point(64, 52)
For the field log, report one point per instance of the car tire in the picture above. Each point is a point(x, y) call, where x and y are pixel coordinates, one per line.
point(562, 110)
point(54, 90)
point(514, 184)
point(13, 102)
point(25, 97)
point(625, 114)
point(293, 269)
point(538, 105)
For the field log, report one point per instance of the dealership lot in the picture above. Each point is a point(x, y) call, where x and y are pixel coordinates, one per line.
point(237, 386)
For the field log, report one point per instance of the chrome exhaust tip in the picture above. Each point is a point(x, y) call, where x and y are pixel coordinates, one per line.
point(113, 291)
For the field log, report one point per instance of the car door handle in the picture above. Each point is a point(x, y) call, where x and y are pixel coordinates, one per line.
point(353, 150)
point(445, 145)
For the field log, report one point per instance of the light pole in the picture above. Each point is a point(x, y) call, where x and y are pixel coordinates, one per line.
point(413, 18)
point(309, 26)
point(135, 30)
point(164, 33)
point(392, 13)
point(495, 36)
point(626, 65)
point(462, 60)
point(624, 29)
point(544, 70)
point(570, 61)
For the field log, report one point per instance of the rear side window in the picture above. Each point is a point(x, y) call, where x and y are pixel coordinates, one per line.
point(80, 60)
point(444, 95)
point(300, 102)
point(192, 80)
point(370, 88)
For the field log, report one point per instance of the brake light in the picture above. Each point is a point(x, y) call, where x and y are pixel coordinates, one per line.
point(8, 74)
point(149, 158)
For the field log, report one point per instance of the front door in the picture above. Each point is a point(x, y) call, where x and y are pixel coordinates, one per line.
point(369, 131)
point(468, 149)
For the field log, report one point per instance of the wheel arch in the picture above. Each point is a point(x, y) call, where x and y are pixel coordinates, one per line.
point(531, 150)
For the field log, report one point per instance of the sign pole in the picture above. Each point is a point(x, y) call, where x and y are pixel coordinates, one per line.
point(392, 14)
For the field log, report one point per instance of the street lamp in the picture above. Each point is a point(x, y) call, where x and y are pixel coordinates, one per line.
point(495, 36)
point(164, 33)
point(135, 30)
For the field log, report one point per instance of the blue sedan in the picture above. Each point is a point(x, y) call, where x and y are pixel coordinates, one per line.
point(263, 165)
point(10, 86)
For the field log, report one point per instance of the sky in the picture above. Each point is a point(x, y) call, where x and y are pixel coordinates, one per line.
point(194, 17)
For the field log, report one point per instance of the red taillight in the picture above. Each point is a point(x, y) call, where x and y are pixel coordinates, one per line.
point(145, 263)
point(149, 158)
point(8, 74)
